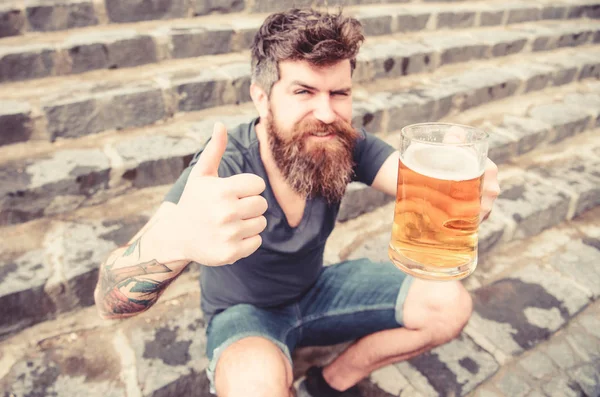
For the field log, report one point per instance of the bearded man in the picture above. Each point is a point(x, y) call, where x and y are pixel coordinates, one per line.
point(255, 208)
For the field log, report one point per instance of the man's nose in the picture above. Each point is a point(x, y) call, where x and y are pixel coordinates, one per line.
point(324, 111)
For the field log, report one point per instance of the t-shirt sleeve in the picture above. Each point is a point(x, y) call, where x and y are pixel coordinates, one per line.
point(227, 167)
point(369, 155)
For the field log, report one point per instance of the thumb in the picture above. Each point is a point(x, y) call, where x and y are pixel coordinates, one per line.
point(210, 158)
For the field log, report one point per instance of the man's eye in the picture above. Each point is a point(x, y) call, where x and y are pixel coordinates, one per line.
point(301, 92)
point(341, 93)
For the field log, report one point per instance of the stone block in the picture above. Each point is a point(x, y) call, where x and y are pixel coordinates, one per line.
point(512, 384)
point(169, 349)
point(530, 133)
point(155, 160)
point(575, 39)
point(198, 41)
point(456, 48)
point(519, 13)
point(443, 96)
point(367, 115)
point(28, 187)
point(12, 21)
point(502, 145)
point(15, 121)
point(201, 91)
point(204, 7)
point(360, 198)
point(61, 16)
point(376, 25)
point(392, 59)
point(502, 43)
point(128, 107)
point(83, 363)
point(455, 368)
point(411, 21)
point(144, 10)
point(375, 248)
point(561, 386)
point(279, 5)
point(592, 11)
point(22, 297)
point(567, 120)
point(579, 262)
point(407, 108)
point(554, 12)
point(562, 353)
point(119, 49)
point(591, 68)
point(583, 343)
point(491, 18)
point(578, 176)
point(587, 377)
point(538, 365)
point(523, 309)
point(536, 77)
point(72, 119)
point(27, 62)
point(490, 234)
point(239, 75)
point(455, 19)
point(481, 86)
point(532, 204)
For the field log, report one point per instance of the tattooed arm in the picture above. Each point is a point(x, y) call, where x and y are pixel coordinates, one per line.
point(134, 276)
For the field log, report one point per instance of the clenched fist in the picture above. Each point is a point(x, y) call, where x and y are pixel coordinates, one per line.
point(219, 219)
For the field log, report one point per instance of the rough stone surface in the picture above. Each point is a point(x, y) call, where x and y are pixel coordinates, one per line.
point(81, 363)
point(567, 120)
point(170, 353)
point(490, 233)
point(502, 310)
point(502, 145)
point(12, 21)
point(144, 10)
point(15, 119)
point(457, 48)
point(27, 62)
point(587, 378)
point(512, 384)
point(538, 365)
point(455, 368)
point(198, 41)
point(532, 204)
point(529, 132)
point(155, 160)
point(393, 59)
point(406, 108)
point(22, 297)
point(375, 248)
point(202, 7)
point(48, 17)
point(202, 91)
point(562, 386)
point(579, 177)
point(412, 21)
point(29, 187)
point(455, 19)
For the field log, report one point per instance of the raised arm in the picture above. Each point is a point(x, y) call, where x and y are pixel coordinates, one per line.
point(216, 222)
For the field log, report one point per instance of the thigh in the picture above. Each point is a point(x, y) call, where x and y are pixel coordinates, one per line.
point(353, 299)
point(244, 321)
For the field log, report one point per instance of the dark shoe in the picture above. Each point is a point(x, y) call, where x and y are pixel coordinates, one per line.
point(316, 386)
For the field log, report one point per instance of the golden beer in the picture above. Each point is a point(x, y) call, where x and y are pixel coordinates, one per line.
point(436, 217)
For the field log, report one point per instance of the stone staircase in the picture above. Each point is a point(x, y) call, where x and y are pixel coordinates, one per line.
point(103, 103)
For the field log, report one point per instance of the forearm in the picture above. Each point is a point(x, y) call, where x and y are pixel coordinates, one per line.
point(133, 277)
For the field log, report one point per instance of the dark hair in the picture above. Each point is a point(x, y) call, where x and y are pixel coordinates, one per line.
point(303, 34)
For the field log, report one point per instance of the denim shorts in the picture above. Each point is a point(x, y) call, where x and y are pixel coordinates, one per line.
point(348, 301)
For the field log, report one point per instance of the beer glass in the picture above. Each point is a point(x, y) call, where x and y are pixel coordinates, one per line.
point(436, 217)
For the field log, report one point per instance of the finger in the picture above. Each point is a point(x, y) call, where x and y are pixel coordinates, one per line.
point(252, 227)
point(455, 134)
point(210, 158)
point(251, 207)
point(245, 185)
point(249, 245)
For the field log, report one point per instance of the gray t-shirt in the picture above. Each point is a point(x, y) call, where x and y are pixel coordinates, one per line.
point(289, 259)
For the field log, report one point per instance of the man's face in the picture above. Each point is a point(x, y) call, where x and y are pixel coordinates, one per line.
point(309, 126)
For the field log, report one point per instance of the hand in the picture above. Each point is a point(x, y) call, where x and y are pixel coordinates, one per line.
point(218, 220)
point(490, 191)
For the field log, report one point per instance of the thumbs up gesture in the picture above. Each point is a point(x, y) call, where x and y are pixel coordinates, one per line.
point(219, 219)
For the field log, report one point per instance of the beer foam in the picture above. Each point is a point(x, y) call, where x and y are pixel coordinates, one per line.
point(451, 163)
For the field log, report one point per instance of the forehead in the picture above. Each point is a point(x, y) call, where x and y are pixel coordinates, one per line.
point(322, 77)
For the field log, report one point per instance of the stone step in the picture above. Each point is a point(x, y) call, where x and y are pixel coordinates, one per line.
point(74, 106)
point(92, 171)
point(56, 263)
point(161, 352)
point(17, 18)
point(42, 55)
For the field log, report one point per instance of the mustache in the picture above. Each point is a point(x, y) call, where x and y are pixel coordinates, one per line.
point(339, 127)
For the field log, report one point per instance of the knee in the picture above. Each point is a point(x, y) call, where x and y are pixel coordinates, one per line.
point(253, 366)
point(440, 309)
point(450, 315)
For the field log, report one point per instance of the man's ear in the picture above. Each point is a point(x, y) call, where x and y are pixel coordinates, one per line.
point(260, 99)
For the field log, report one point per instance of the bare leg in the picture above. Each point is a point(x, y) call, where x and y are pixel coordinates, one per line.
point(434, 313)
point(253, 367)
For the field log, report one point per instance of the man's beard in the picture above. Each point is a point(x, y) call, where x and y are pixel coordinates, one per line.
point(314, 168)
